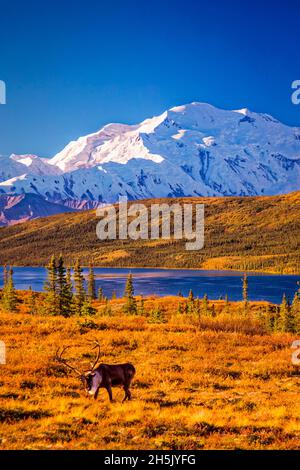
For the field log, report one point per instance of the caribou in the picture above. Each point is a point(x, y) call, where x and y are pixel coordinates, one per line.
point(101, 376)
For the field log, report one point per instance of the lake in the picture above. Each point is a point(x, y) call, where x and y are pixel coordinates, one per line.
point(162, 282)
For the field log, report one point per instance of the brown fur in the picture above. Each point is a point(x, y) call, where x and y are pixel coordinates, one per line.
point(115, 375)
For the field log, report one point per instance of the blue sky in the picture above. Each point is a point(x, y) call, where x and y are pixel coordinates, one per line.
point(71, 68)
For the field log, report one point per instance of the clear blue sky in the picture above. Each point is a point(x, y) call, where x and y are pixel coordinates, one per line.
point(72, 67)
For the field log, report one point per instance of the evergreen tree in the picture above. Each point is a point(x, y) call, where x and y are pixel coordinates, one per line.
point(80, 295)
point(130, 307)
point(269, 319)
point(51, 305)
point(129, 289)
point(87, 309)
point(213, 311)
point(106, 311)
point(245, 294)
point(285, 320)
point(64, 289)
point(69, 279)
point(204, 305)
point(31, 302)
point(191, 296)
point(180, 309)
point(295, 313)
point(190, 302)
point(245, 288)
point(51, 283)
point(226, 308)
point(5, 275)
point(100, 294)
point(197, 308)
point(276, 320)
point(91, 284)
point(9, 297)
point(157, 315)
point(141, 308)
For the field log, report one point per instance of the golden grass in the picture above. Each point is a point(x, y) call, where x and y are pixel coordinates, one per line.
point(222, 385)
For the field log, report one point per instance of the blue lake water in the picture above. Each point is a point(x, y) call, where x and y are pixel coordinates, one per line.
point(162, 282)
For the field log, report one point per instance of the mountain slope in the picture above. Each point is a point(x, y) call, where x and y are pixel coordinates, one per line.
point(190, 150)
point(255, 233)
point(20, 208)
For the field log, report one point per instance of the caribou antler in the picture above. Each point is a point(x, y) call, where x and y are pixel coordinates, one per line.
point(97, 346)
point(59, 358)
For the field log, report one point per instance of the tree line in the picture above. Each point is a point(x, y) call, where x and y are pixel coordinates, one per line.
point(66, 293)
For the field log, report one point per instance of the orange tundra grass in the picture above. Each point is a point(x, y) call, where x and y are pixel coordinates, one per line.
point(217, 383)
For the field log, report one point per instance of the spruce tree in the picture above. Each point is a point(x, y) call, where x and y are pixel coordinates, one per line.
point(204, 305)
point(226, 307)
point(285, 320)
point(277, 320)
point(9, 297)
point(69, 279)
point(295, 313)
point(5, 275)
point(245, 288)
point(130, 307)
point(197, 308)
point(51, 305)
point(91, 291)
point(51, 283)
point(141, 307)
point(213, 311)
point(180, 309)
point(87, 309)
point(190, 302)
point(129, 289)
point(268, 319)
point(157, 315)
point(31, 302)
point(100, 294)
point(106, 311)
point(80, 295)
point(64, 289)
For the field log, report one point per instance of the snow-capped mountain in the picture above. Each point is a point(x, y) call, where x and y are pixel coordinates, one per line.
point(190, 150)
point(18, 165)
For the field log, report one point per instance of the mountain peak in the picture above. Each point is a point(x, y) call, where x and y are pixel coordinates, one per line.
point(191, 150)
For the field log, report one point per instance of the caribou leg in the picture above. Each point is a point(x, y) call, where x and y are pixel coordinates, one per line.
point(127, 392)
point(109, 391)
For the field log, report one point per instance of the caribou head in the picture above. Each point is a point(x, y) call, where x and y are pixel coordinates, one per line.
point(91, 379)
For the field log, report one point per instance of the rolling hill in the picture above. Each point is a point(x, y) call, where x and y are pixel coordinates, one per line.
point(252, 233)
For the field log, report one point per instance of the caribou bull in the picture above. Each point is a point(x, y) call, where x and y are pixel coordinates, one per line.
point(102, 376)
